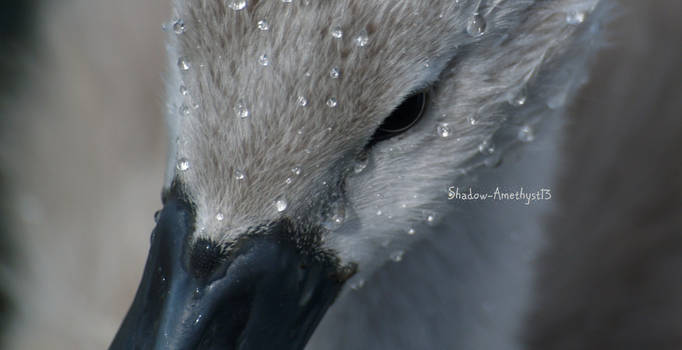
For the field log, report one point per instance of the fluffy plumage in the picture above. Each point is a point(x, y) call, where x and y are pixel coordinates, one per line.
point(474, 69)
point(517, 64)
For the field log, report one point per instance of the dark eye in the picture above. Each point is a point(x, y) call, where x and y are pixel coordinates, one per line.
point(402, 118)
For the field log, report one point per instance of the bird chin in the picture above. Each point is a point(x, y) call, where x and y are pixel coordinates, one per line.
point(263, 294)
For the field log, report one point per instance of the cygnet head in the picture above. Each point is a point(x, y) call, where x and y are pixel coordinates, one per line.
point(311, 141)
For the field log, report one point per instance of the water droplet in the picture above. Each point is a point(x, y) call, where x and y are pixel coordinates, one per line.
point(288, 181)
point(219, 216)
point(493, 161)
point(183, 90)
point(473, 120)
point(302, 101)
point(357, 284)
point(183, 164)
point(336, 32)
point(178, 26)
point(575, 17)
point(331, 102)
point(411, 231)
point(430, 218)
point(476, 25)
point(362, 39)
point(263, 60)
point(335, 73)
point(196, 321)
point(486, 147)
point(558, 99)
point(360, 162)
point(184, 110)
point(443, 130)
point(239, 175)
point(287, 1)
point(296, 170)
point(526, 134)
point(281, 204)
point(379, 212)
point(184, 64)
point(518, 100)
point(339, 217)
point(397, 256)
point(240, 110)
point(236, 4)
point(335, 216)
point(263, 25)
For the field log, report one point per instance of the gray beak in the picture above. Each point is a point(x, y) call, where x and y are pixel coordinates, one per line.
point(267, 292)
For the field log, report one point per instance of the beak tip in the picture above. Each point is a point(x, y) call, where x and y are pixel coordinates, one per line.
point(267, 294)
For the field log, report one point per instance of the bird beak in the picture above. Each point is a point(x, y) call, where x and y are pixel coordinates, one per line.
point(266, 293)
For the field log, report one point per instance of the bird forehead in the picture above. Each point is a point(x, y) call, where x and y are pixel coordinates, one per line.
point(348, 60)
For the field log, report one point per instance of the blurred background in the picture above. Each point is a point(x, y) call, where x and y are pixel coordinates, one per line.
point(82, 143)
point(82, 148)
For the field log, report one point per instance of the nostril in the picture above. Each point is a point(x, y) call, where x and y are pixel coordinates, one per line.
point(205, 257)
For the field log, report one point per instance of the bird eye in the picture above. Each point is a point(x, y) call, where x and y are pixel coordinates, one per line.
point(402, 118)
